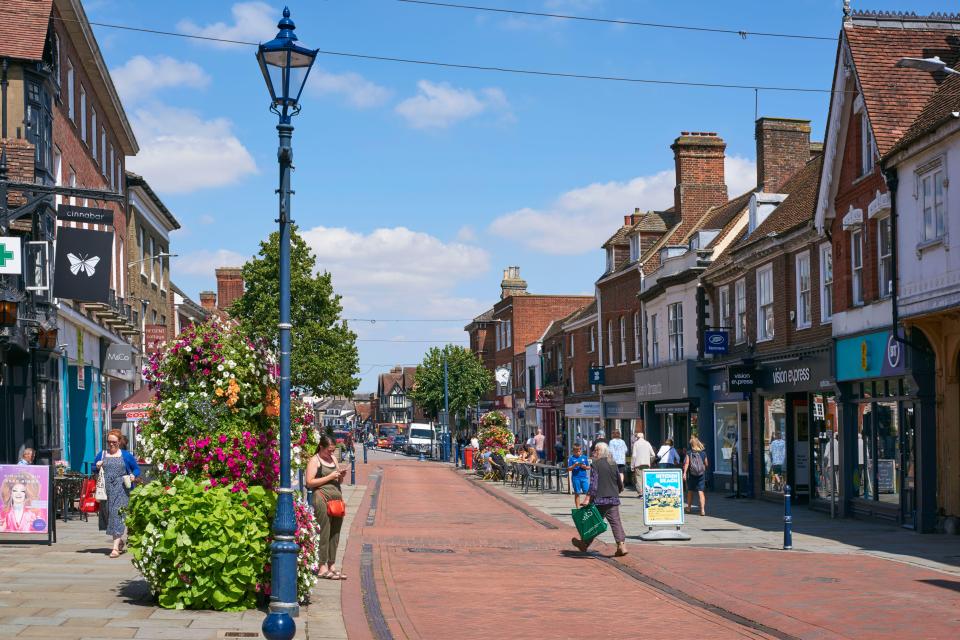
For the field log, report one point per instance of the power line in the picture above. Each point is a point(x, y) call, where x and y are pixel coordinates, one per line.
point(411, 341)
point(376, 320)
point(742, 33)
point(471, 67)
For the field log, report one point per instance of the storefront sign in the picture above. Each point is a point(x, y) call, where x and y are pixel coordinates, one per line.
point(84, 214)
point(804, 374)
point(11, 260)
point(597, 375)
point(119, 357)
point(665, 383)
point(626, 409)
point(716, 341)
point(672, 407)
point(662, 497)
point(874, 355)
point(154, 335)
point(26, 492)
point(545, 399)
point(886, 476)
point(83, 263)
point(582, 410)
point(741, 378)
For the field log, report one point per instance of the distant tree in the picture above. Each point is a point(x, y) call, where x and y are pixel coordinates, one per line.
point(324, 359)
point(467, 380)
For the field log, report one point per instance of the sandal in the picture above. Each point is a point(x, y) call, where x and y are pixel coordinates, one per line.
point(579, 544)
point(115, 553)
point(326, 575)
point(336, 575)
point(621, 551)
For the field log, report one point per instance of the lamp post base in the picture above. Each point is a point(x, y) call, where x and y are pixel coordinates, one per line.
point(279, 626)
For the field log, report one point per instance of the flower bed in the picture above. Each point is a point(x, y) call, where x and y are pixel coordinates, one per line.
point(494, 433)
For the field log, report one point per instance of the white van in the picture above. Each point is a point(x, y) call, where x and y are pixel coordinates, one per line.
point(420, 438)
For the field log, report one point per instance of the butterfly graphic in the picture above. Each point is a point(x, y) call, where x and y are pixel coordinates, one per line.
point(85, 264)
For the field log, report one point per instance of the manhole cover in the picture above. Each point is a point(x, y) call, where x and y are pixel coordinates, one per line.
point(428, 550)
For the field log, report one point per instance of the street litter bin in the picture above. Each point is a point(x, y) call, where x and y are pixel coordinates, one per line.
point(468, 457)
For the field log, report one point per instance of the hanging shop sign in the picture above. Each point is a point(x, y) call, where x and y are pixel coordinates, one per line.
point(154, 335)
point(742, 378)
point(11, 258)
point(662, 497)
point(805, 374)
point(89, 215)
point(119, 357)
point(874, 355)
point(597, 375)
point(716, 341)
point(26, 505)
point(83, 265)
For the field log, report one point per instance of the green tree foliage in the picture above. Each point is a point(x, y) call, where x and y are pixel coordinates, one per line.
point(467, 380)
point(324, 359)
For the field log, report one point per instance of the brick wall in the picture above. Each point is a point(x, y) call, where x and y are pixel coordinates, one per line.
point(698, 157)
point(20, 166)
point(229, 286)
point(581, 362)
point(783, 148)
point(618, 298)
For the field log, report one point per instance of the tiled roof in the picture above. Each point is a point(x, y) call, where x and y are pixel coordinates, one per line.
point(895, 96)
point(581, 313)
point(938, 110)
point(555, 328)
point(720, 216)
point(23, 28)
point(620, 237)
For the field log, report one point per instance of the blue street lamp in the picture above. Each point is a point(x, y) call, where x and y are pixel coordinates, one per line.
point(285, 66)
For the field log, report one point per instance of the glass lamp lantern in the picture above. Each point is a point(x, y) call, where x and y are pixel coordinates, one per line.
point(285, 66)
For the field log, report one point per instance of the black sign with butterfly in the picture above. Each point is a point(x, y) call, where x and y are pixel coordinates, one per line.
point(83, 264)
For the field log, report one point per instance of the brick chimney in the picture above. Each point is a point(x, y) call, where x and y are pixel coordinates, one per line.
point(700, 179)
point(208, 300)
point(229, 286)
point(512, 284)
point(783, 148)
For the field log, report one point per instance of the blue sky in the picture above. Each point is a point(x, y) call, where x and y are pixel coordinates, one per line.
point(417, 185)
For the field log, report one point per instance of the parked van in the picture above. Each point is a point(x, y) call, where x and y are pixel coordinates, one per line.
point(420, 438)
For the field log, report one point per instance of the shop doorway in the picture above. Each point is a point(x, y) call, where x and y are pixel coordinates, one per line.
point(801, 448)
point(908, 498)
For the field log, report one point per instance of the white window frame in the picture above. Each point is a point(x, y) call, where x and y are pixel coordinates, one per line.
point(723, 301)
point(740, 310)
point(73, 183)
point(58, 172)
point(153, 259)
point(634, 248)
point(826, 285)
point(143, 251)
point(884, 272)
point(936, 227)
point(654, 342)
point(623, 340)
point(93, 127)
point(804, 296)
point(103, 150)
point(497, 334)
point(71, 110)
point(593, 339)
point(83, 115)
point(571, 344)
point(675, 331)
point(636, 336)
point(609, 260)
point(856, 271)
point(508, 339)
point(572, 385)
point(764, 333)
point(866, 145)
point(113, 175)
point(609, 343)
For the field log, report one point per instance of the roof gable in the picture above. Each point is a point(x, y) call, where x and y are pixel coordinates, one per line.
point(23, 30)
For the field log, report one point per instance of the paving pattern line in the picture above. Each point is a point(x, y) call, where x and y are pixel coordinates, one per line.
point(376, 476)
point(371, 601)
point(499, 496)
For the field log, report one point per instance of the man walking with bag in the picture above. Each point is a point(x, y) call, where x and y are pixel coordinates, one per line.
point(641, 458)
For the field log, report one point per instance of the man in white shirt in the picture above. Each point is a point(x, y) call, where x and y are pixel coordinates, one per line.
point(618, 449)
point(641, 458)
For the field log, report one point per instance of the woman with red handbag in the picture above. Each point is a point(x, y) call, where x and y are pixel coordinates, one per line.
point(324, 476)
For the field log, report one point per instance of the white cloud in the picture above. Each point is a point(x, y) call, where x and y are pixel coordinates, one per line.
point(439, 105)
point(204, 261)
point(580, 220)
point(180, 152)
point(352, 87)
point(392, 272)
point(252, 22)
point(141, 77)
point(467, 234)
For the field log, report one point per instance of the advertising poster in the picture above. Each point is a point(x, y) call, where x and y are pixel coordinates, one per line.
point(662, 497)
point(24, 498)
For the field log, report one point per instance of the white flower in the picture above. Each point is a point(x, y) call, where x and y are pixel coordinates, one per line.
point(148, 459)
point(188, 349)
point(220, 367)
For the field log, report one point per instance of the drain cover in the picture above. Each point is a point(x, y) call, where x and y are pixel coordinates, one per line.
point(240, 634)
point(428, 550)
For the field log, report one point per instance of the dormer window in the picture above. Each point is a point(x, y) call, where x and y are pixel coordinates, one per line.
point(609, 259)
point(634, 248)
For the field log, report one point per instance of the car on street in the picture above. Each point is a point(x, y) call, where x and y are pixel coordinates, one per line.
point(399, 443)
point(420, 439)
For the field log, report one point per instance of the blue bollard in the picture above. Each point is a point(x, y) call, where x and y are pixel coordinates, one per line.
point(364, 453)
point(421, 458)
point(787, 521)
point(353, 468)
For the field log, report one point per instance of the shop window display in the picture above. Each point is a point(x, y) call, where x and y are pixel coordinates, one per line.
point(774, 444)
point(731, 433)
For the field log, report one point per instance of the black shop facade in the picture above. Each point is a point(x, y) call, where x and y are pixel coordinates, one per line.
point(670, 398)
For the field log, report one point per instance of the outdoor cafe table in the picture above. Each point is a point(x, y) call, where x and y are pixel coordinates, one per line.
point(66, 491)
point(551, 470)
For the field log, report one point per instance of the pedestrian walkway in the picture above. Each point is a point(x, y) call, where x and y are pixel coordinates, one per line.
point(72, 590)
point(843, 578)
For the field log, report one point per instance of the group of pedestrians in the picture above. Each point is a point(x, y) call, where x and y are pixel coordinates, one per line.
point(599, 479)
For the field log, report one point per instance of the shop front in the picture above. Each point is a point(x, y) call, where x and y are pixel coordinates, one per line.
point(670, 398)
point(729, 413)
point(583, 421)
point(795, 403)
point(621, 412)
point(549, 404)
point(888, 435)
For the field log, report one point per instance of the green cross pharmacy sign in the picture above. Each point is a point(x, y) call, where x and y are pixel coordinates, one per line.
point(10, 259)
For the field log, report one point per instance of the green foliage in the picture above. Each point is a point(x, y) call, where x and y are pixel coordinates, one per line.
point(324, 358)
point(201, 547)
point(467, 380)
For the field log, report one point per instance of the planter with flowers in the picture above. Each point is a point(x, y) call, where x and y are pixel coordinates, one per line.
point(200, 533)
point(493, 433)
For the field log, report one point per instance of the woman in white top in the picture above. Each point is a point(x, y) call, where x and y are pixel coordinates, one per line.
point(669, 458)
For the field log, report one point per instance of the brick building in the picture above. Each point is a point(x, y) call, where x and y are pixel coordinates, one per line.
point(229, 288)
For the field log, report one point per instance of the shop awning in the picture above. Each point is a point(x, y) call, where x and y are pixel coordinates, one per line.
point(136, 406)
point(672, 407)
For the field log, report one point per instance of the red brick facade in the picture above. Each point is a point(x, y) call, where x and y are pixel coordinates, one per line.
point(229, 286)
point(698, 157)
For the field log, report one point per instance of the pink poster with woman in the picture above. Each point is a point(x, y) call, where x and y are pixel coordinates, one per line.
point(24, 498)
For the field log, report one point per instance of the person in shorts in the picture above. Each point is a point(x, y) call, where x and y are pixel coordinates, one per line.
point(579, 467)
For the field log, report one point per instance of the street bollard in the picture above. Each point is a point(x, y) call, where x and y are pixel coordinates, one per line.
point(421, 458)
point(787, 521)
point(364, 453)
point(353, 468)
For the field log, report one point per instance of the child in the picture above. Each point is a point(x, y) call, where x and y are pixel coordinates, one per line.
point(579, 467)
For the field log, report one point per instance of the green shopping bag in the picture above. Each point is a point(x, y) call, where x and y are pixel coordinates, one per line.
point(589, 522)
